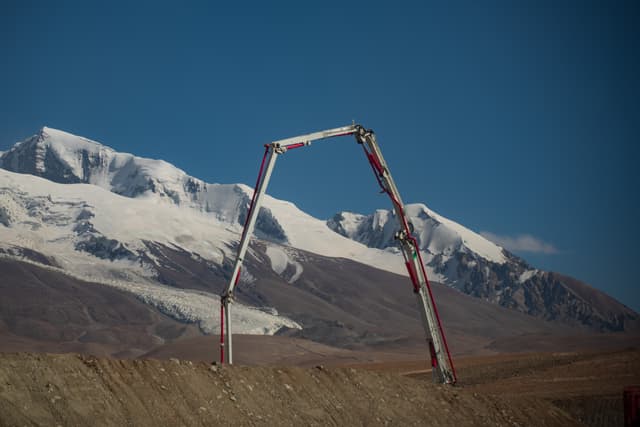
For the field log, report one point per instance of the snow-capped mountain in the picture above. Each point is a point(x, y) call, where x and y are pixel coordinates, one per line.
point(455, 255)
point(96, 235)
point(436, 235)
point(64, 158)
point(147, 226)
point(467, 261)
point(68, 159)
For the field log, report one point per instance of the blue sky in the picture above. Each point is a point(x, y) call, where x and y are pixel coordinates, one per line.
point(517, 119)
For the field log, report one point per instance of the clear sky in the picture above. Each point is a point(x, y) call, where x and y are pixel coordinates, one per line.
point(516, 119)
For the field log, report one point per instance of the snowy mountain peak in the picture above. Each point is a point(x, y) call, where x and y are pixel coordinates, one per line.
point(452, 234)
point(56, 155)
point(436, 235)
point(69, 159)
point(66, 158)
point(69, 141)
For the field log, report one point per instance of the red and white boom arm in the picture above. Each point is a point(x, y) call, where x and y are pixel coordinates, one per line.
point(440, 356)
point(271, 153)
point(441, 363)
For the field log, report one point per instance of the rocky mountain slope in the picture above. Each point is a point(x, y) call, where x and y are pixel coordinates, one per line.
point(44, 310)
point(147, 227)
point(472, 264)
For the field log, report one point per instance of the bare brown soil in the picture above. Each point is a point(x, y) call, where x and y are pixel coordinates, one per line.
point(46, 311)
point(42, 310)
point(81, 390)
point(588, 386)
point(539, 389)
point(262, 350)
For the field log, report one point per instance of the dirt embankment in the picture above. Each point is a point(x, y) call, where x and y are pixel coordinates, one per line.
point(586, 385)
point(81, 390)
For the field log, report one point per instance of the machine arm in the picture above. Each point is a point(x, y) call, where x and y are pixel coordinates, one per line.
point(440, 356)
point(271, 153)
point(442, 365)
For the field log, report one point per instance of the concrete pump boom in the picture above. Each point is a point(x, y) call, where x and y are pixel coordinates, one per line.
point(442, 365)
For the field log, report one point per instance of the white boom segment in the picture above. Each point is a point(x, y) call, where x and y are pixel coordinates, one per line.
point(442, 365)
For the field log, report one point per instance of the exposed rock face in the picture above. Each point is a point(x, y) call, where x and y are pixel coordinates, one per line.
point(5, 218)
point(105, 248)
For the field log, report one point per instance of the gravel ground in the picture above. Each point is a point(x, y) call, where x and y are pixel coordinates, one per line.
point(68, 389)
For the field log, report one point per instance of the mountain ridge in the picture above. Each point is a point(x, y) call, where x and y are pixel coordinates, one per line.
point(161, 193)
